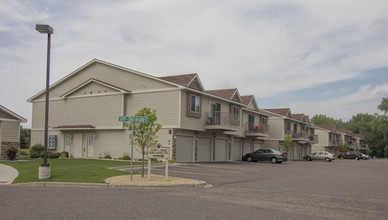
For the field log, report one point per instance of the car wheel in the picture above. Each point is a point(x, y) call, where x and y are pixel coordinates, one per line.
point(364, 158)
point(309, 159)
point(274, 160)
point(341, 157)
point(249, 159)
point(327, 159)
point(357, 158)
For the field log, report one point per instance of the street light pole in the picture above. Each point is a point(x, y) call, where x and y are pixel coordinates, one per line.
point(44, 170)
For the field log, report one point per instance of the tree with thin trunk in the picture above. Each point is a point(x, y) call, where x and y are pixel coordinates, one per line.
point(288, 142)
point(144, 134)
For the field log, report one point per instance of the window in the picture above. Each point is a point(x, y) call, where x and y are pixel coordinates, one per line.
point(264, 120)
point(251, 122)
point(235, 110)
point(193, 105)
point(288, 126)
point(67, 140)
point(91, 140)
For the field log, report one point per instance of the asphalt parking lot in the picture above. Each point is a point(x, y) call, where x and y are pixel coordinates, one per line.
point(303, 189)
point(342, 189)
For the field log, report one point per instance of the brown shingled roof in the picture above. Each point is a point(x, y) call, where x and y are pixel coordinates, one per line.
point(182, 80)
point(246, 99)
point(223, 93)
point(330, 127)
point(279, 111)
point(298, 116)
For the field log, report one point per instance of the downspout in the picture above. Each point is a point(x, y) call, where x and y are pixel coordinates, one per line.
point(123, 109)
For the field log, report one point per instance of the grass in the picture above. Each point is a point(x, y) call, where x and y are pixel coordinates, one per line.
point(68, 170)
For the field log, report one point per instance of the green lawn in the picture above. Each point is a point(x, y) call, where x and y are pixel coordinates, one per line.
point(69, 170)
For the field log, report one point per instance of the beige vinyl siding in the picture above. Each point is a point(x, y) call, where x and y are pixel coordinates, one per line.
point(193, 123)
point(10, 131)
point(99, 111)
point(5, 115)
point(165, 103)
point(252, 106)
point(277, 128)
point(108, 74)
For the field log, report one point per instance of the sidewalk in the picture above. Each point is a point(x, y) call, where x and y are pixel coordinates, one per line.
point(7, 174)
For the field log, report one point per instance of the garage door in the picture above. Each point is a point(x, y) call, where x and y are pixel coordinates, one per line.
point(256, 146)
point(236, 150)
point(247, 147)
point(184, 149)
point(220, 151)
point(204, 149)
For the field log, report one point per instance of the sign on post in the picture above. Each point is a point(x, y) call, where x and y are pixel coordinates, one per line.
point(158, 152)
point(139, 119)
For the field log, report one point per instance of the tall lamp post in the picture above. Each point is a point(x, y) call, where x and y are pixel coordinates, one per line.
point(44, 169)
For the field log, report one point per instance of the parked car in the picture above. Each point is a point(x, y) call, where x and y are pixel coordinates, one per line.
point(320, 155)
point(350, 155)
point(365, 157)
point(264, 155)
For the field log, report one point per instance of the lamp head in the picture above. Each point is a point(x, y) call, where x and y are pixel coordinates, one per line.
point(44, 29)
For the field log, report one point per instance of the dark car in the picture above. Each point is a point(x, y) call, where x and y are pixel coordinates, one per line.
point(350, 155)
point(264, 155)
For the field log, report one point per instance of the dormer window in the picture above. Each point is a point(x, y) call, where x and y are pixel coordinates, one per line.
point(194, 105)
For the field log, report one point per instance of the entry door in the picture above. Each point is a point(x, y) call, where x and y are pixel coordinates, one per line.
point(90, 143)
point(78, 148)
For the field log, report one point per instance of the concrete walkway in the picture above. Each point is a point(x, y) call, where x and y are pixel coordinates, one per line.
point(7, 174)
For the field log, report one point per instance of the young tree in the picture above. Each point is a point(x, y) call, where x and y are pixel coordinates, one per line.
point(144, 134)
point(343, 148)
point(288, 142)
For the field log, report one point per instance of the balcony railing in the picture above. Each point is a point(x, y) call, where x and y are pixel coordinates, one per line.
point(222, 121)
point(256, 129)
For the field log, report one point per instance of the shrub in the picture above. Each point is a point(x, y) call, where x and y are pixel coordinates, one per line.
point(107, 155)
point(125, 157)
point(34, 154)
point(154, 160)
point(65, 153)
point(36, 150)
point(50, 154)
point(23, 152)
point(62, 157)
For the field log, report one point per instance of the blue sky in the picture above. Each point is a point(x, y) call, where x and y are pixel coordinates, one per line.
point(315, 57)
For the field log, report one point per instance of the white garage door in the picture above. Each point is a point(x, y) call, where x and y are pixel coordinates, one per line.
point(236, 150)
point(184, 149)
point(204, 149)
point(247, 147)
point(220, 154)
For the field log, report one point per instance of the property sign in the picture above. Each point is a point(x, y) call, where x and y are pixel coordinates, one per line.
point(133, 119)
point(159, 152)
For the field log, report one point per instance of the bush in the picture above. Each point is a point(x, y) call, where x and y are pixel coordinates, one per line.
point(62, 157)
point(125, 157)
point(107, 155)
point(65, 153)
point(23, 152)
point(36, 150)
point(50, 154)
point(34, 154)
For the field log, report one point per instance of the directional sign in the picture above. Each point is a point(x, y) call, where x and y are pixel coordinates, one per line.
point(159, 152)
point(133, 119)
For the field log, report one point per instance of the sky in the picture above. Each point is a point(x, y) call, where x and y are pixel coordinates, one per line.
point(316, 57)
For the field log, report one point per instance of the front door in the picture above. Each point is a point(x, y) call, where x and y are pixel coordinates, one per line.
point(78, 147)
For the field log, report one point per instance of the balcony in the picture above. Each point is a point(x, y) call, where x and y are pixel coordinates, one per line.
point(303, 137)
point(313, 139)
point(256, 130)
point(222, 121)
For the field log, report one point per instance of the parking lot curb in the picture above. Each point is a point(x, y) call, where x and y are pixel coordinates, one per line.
point(107, 185)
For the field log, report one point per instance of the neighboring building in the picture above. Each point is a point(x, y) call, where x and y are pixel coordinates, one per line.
point(197, 124)
point(329, 139)
point(9, 131)
point(298, 126)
